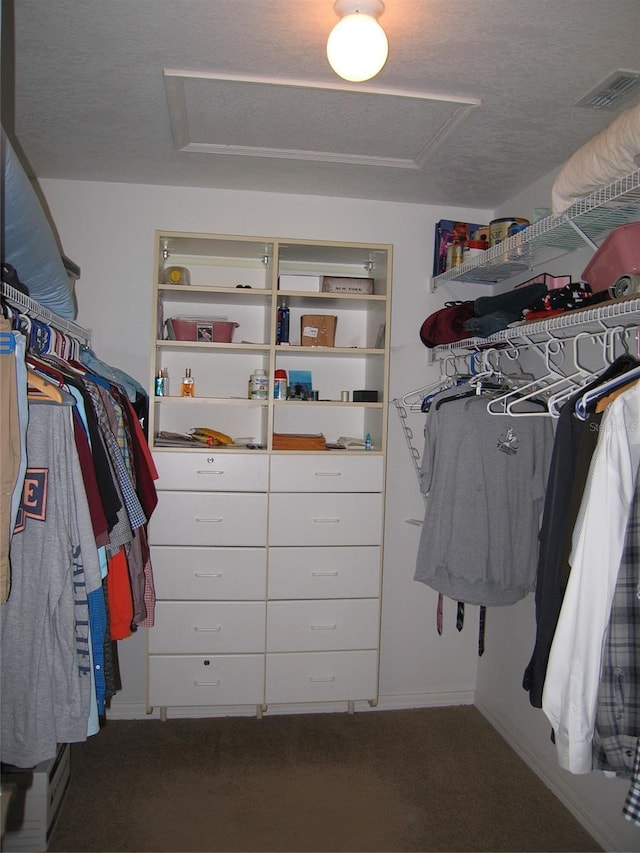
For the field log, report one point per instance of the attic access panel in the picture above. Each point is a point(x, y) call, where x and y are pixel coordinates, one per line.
point(263, 117)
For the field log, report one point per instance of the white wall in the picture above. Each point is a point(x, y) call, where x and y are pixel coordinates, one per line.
point(108, 229)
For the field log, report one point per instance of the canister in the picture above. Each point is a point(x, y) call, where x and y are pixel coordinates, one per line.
point(475, 249)
point(280, 385)
point(500, 229)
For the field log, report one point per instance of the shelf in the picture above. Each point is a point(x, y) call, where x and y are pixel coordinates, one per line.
point(195, 346)
point(585, 222)
point(194, 401)
point(616, 313)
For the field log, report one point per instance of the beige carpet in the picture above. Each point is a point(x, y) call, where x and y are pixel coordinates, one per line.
point(419, 780)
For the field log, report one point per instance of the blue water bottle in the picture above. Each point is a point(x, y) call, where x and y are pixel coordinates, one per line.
point(282, 326)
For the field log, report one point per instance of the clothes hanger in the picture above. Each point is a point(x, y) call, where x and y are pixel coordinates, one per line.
point(581, 406)
point(415, 400)
point(38, 387)
point(554, 357)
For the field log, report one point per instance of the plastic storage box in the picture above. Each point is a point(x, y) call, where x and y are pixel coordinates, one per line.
point(204, 329)
point(43, 801)
point(618, 254)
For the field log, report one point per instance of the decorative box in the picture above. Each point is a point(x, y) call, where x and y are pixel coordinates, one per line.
point(346, 284)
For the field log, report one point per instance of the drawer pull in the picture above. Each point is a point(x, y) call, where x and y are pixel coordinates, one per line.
point(208, 574)
point(207, 683)
point(210, 520)
point(327, 680)
point(202, 471)
point(326, 520)
point(323, 627)
point(327, 473)
point(208, 630)
point(324, 574)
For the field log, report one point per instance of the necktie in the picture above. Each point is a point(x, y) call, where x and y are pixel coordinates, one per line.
point(482, 619)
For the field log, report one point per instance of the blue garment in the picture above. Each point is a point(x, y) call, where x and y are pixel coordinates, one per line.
point(132, 388)
point(23, 418)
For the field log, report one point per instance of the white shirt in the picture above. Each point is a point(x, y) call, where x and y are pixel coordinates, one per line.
point(570, 693)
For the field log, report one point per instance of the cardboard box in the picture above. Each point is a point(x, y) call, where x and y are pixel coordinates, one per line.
point(346, 284)
point(318, 330)
point(306, 283)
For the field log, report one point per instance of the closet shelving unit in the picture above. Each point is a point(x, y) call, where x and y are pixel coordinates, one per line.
point(267, 562)
point(587, 221)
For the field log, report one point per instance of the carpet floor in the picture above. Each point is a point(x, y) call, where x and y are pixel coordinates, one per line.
point(438, 779)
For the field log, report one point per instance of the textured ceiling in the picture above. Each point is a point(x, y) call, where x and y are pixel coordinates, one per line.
point(476, 102)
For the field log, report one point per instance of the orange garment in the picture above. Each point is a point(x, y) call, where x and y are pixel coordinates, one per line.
point(120, 598)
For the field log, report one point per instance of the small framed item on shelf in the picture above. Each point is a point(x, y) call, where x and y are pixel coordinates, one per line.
point(300, 385)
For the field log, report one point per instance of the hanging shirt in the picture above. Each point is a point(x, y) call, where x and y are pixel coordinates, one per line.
point(570, 691)
point(484, 477)
point(46, 676)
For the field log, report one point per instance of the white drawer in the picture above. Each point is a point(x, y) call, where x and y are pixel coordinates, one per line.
point(217, 627)
point(322, 677)
point(176, 680)
point(205, 518)
point(209, 573)
point(213, 472)
point(324, 572)
point(326, 473)
point(328, 625)
point(325, 519)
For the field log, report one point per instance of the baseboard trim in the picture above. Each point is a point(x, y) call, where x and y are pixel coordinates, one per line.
point(387, 702)
point(555, 784)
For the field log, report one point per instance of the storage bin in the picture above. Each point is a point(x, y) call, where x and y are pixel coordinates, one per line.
point(618, 254)
point(203, 329)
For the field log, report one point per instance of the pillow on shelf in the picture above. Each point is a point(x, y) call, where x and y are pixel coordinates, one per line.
point(612, 154)
point(29, 243)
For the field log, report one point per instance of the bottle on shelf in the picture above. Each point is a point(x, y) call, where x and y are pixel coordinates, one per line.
point(282, 326)
point(259, 385)
point(367, 442)
point(159, 384)
point(280, 385)
point(188, 386)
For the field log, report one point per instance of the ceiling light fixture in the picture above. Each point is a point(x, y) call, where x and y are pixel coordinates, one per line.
point(357, 47)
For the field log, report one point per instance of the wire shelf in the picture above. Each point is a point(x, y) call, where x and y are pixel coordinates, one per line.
point(586, 221)
point(623, 312)
point(25, 303)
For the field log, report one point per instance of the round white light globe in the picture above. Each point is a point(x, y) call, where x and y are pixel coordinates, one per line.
point(357, 47)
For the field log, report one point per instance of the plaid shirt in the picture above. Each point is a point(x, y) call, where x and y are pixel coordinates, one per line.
point(615, 741)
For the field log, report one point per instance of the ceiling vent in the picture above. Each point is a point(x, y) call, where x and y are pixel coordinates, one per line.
point(609, 94)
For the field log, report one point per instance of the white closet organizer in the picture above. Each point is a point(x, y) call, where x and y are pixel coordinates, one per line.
point(588, 220)
point(267, 563)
